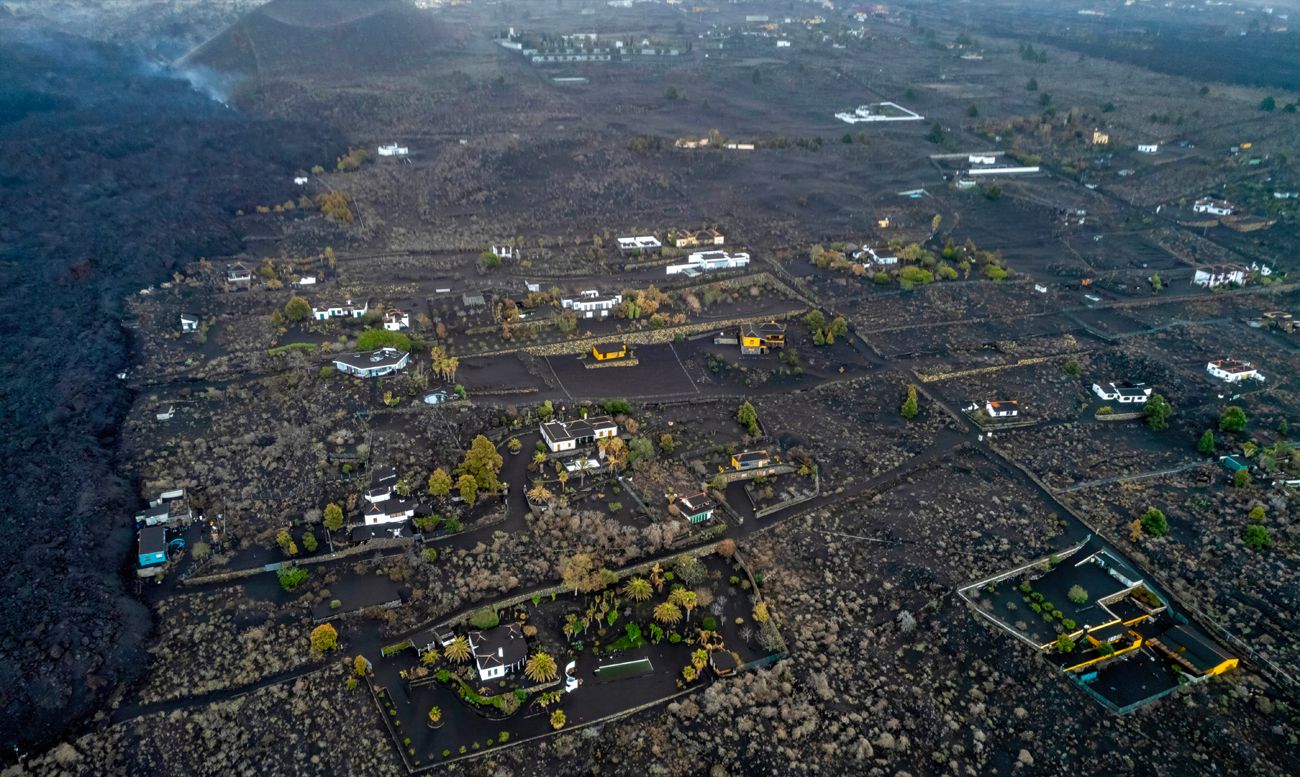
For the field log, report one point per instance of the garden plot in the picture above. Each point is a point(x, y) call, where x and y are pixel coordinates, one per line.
point(614, 646)
point(1205, 556)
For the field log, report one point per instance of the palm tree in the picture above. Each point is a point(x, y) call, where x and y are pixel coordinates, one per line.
point(637, 589)
point(458, 651)
point(667, 613)
point(540, 667)
point(657, 576)
point(435, 716)
point(689, 672)
point(699, 658)
point(558, 720)
point(683, 598)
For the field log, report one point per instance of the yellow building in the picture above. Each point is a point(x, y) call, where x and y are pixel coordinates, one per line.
point(759, 338)
point(609, 351)
point(1100, 138)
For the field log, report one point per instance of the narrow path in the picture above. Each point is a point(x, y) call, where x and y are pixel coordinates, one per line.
point(1126, 478)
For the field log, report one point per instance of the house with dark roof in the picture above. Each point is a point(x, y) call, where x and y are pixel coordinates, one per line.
point(238, 276)
point(1191, 651)
point(604, 351)
point(750, 460)
point(499, 651)
point(373, 364)
point(152, 546)
point(696, 508)
point(390, 510)
point(569, 435)
point(759, 338)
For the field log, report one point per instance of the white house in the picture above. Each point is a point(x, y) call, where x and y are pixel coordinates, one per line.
point(590, 304)
point(373, 364)
point(504, 251)
point(639, 244)
point(300, 180)
point(869, 256)
point(346, 310)
point(704, 261)
point(783, 44)
point(1213, 207)
point(982, 159)
point(568, 435)
point(1005, 409)
point(169, 509)
point(389, 511)
point(164, 412)
point(392, 149)
point(1232, 370)
point(396, 320)
point(189, 322)
point(1124, 393)
point(1212, 277)
point(1040, 288)
point(499, 651)
point(696, 508)
point(1148, 148)
point(382, 483)
point(306, 280)
point(237, 274)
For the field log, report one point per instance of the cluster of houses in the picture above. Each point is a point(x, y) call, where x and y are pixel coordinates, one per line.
point(1228, 275)
point(170, 510)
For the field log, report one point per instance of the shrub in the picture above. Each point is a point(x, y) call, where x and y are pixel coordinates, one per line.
point(291, 577)
point(485, 618)
point(1154, 522)
point(1257, 537)
point(1077, 594)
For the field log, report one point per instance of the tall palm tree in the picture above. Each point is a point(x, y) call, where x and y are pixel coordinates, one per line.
point(541, 667)
point(457, 651)
point(667, 613)
point(638, 589)
point(699, 658)
point(683, 598)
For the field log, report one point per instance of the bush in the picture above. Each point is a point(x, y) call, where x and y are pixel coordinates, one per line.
point(1077, 594)
point(485, 618)
point(1154, 522)
point(1257, 537)
point(291, 577)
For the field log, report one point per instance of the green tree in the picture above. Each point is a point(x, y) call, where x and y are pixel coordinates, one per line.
point(1241, 479)
point(1268, 103)
point(814, 320)
point(1158, 411)
point(1064, 644)
point(468, 488)
point(909, 408)
point(1206, 445)
point(936, 133)
point(748, 418)
point(297, 309)
point(1257, 537)
point(1077, 594)
point(1233, 419)
point(309, 541)
point(1154, 522)
point(483, 463)
point(838, 328)
point(1032, 85)
point(333, 517)
point(440, 482)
